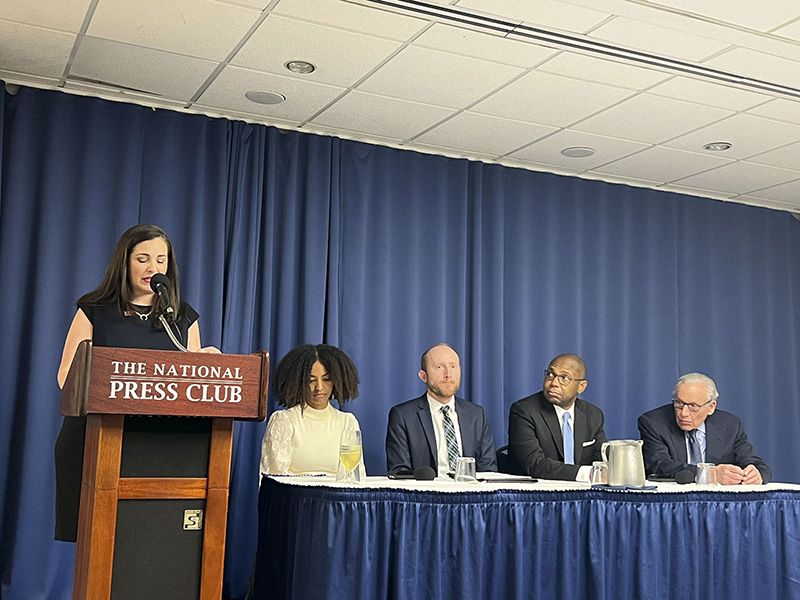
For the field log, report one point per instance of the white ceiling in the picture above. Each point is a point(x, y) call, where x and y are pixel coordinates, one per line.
point(646, 84)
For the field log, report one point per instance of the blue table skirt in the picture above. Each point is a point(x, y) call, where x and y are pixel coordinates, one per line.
point(324, 542)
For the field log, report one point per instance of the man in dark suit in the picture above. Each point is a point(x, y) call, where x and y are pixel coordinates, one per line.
point(437, 427)
point(539, 424)
point(691, 430)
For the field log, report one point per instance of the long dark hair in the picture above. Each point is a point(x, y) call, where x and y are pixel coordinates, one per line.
point(294, 372)
point(116, 286)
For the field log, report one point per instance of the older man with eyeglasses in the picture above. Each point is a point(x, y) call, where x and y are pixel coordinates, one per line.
point(553, 434)
point(690, 430)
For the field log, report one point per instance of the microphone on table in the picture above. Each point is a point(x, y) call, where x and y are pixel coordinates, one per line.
point(160, 284)
point(420, 474)
point(684, 476)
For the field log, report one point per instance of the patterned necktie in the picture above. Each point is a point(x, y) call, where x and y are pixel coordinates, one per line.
point(695, 454)
point(569, 441)
point(450, 437)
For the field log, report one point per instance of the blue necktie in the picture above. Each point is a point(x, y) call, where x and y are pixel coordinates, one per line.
point(450, 438)
point(569, 441)
point(695, 453)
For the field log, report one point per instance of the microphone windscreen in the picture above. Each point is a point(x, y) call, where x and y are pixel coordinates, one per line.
point(684, 477)
point(424, 474)
point(159, 279)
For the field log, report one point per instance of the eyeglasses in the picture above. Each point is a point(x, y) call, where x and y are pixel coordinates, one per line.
point(562, 379)
point(690, 405)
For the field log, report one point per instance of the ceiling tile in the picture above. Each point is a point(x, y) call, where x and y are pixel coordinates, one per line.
point(33, 50)
point(787, 157)
point(589, 68)
point(708, 92)
point(484, 46)
point(351, 17)
point(791, 31)
point(651, 119)
point(549, 99)
point(658, 40)
point(760, 66)
point(740, 178)
point(61, 15)
point(200, 28)
point(787, 194)
point(171, 75)
point(484, 134)
point(662, 164)
point(377, 115)
point(761, 16)
point(749, 135)
point(434, 77)
point(548, 150)
point(303, 98)
point(780, 109)
point(540, 13)
point(341, 57)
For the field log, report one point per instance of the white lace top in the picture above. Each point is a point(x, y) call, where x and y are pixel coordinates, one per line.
point(301, 442)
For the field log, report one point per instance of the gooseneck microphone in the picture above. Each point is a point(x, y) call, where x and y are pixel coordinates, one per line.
point(160, 284)
point(683, 477)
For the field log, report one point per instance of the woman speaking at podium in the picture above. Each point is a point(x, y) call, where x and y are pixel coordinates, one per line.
point(123, 312)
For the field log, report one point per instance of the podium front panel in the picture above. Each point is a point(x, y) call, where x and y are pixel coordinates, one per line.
point(165, 447)
point(154, 556)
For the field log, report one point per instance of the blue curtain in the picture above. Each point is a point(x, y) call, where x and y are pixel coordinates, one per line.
point(285, 238)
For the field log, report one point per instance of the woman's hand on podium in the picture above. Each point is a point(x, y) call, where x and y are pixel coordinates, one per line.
point(210, 350)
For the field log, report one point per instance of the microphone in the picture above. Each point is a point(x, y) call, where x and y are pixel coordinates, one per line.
point(160, 283)
point(683, 477)
point(420, 474)
point(424, 474)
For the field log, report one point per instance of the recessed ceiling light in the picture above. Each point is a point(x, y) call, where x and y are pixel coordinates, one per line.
point(718, 146)
point(264, 97)
point(301, 67)
point(578, 152)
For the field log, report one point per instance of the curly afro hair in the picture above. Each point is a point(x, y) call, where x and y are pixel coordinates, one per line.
point(294, 372)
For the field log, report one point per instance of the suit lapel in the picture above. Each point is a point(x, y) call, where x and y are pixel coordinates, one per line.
point(426, 420)
point(464, 428)
point(679, 441)
point(714, 441)
point(551, 420)
point(580, 433)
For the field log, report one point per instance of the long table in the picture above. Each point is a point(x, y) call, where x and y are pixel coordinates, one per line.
point(400, 540)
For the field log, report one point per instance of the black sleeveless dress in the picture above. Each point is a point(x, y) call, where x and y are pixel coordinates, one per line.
point(110, 327)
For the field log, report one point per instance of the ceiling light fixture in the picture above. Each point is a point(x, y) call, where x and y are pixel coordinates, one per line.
point(301, 67)
point(264, 97)
point(718, 146)
point(578, 152)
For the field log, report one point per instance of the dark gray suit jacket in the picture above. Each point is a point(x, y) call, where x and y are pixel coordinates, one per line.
point(411, 442)
point(665, 443)
point(536, 444)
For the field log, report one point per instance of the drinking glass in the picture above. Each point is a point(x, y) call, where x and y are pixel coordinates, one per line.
point(706, 475)
point(349, 456)
point(465, 469)
point(599, 473)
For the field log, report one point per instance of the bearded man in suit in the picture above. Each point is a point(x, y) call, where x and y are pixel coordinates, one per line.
point(436, 428)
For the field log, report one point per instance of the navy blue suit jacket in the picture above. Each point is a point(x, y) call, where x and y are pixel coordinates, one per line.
point(665, 443)
point(411, 442)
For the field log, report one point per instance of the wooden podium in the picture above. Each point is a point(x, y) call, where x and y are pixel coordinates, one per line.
point(154, 495)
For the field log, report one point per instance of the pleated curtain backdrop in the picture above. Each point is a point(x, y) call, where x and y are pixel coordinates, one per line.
point(285, 238)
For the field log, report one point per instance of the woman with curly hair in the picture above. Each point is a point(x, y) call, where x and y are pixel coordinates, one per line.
point(305, 438)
